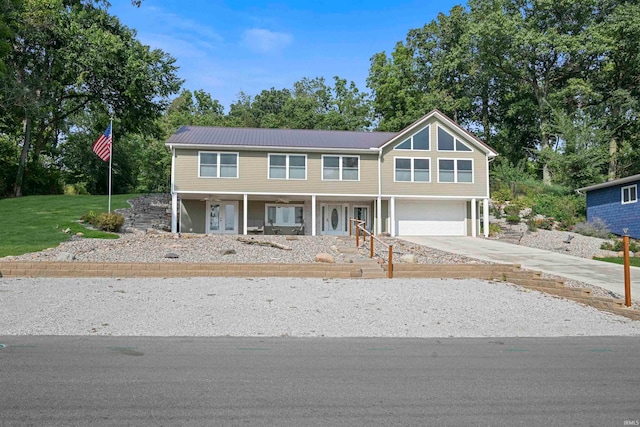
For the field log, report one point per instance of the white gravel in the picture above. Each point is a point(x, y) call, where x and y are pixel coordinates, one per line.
point(294, 307)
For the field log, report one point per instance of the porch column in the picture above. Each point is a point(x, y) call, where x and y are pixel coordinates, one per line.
point(485, 217)
point(474, 220)
point(379, 216)
point(392, 216)
point(245, 209)
point(174, 212)
point(313, 215)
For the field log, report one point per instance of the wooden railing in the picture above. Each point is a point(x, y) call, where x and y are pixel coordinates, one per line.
point(358, 226)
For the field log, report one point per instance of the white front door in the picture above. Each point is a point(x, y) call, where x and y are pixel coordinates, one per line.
point(362, 213)
point(335, 221)
point(222, 218)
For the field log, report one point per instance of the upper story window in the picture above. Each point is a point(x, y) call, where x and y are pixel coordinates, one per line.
point(446, 142)
point(412, 170)
point(217, 165)
point(455, 170)
point(287, 166)
point(342, 168)
point(630, 194)
point(419, 141)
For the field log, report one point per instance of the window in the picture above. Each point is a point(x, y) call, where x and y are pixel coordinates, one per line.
point(630, 194)
point(285, 215)
point(344, 168)
point(446, 142)
point(287, 166)
point(419, 141)
point(412, 170)
point(455, 170)
point(218, 165)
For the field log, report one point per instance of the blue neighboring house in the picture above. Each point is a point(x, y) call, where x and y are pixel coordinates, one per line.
point(616, 203)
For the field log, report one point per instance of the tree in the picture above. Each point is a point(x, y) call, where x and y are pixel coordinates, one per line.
point(72, 56)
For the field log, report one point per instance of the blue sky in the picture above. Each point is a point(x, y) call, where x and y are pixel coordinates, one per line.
point(228, 47)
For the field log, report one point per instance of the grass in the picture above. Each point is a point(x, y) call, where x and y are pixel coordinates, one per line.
point(635, 262)
point(33, 223)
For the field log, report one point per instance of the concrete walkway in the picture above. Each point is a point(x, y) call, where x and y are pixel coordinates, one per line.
point(603, 274)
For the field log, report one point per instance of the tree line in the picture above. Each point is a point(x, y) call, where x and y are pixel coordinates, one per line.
point(552, 85)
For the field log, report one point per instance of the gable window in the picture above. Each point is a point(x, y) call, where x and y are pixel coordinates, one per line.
point(446, 142)
point(287, 166)
point(217, 165)
point(419, 141)
point(285, 215)
point(341, 168)
point(412, 170)
point(630, 194)
point(455, 170)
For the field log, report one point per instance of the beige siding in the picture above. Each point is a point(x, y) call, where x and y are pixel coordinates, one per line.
point(476, 189)
point(253, 176)
point(192, 216)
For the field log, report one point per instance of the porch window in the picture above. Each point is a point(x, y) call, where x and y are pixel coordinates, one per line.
point(630, 194)
point(345, 168)
point(217, 165)
point(287, 166)
point(289, 215)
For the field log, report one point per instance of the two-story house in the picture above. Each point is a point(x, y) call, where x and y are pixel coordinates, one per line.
point(431, 178)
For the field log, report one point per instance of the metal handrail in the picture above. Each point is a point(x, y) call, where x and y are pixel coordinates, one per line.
point(360, 225)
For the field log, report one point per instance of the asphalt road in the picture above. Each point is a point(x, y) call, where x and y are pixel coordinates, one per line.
point(319, 381)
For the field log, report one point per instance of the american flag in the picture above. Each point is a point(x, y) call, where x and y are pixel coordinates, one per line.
point(102, 146)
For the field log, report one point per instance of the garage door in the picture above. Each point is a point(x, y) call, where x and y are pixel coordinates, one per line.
point(430, 218)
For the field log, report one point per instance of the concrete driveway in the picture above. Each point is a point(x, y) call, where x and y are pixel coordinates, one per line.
point(603, 274)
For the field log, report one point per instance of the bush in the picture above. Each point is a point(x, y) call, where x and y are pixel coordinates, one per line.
point(545, 223)
point(76, 189)
point(90, 218)
point(512, 210)
point(502, 194)
point(110, 222)
point(563, 208)
point(617, 246)
point(494, 229)
point(513, 219)
point(594, 228)
point(531, 225)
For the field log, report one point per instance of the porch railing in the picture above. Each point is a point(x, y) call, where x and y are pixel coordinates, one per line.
point(357, 226)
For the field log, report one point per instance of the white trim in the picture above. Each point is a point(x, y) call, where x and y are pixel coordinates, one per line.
point(629, 187)
point(412, 169)
point(287, 166)
point(313, 215)
point(218, 153)
point(250, 148)
point(340, 157)
point(474, 224)
point(455, 139)
point(455, 170)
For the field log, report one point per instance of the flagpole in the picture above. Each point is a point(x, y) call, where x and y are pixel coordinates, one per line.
point(110, 160)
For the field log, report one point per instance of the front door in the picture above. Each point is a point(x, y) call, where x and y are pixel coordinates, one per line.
point(335, 221)
point(362, 213)
point(223, 218)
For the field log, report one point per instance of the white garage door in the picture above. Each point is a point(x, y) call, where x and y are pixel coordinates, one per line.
point(430, 218)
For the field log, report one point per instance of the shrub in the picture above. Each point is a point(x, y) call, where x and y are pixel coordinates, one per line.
point(502, 194)
point(617, 246)
point(511, 210)
point(76, 189)
point(563, 208)
point(545, 223)
point(110, 221)
point(513, 219)
point(531, 225)
point(494, 229)
point(594, 228)
point(89, 218)
point(495, 212)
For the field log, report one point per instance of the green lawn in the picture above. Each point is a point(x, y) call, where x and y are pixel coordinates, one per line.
point(34, 223)
point(635, 261)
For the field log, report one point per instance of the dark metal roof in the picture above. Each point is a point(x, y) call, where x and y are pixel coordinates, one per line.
point(285, 138)
point(620, 181)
